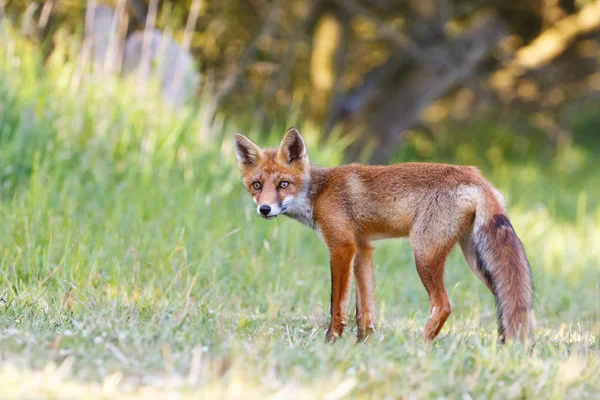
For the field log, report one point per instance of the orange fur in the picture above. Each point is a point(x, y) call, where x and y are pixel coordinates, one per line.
point(436, 205)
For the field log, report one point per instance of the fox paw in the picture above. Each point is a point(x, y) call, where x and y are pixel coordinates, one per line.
point(363, 334)
point(331, 336)
point(336, 329)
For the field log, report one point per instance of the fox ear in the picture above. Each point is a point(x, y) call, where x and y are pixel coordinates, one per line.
point(246, 151)
point(292, 147)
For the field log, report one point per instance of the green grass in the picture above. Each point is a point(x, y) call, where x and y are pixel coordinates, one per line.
point(133, 264)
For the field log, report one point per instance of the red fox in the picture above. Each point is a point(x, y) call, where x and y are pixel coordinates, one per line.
point(436, 205)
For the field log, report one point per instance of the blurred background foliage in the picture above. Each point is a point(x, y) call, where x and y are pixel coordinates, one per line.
point(392, 75)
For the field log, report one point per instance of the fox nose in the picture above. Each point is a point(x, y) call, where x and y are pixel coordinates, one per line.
point(264, 210)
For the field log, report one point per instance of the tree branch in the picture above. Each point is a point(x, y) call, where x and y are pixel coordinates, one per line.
point(555, 40)
point(385, 31)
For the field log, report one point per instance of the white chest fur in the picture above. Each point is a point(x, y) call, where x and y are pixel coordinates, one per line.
point(300, 209)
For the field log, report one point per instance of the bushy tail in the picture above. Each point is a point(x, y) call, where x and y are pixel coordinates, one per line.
point(502, 263)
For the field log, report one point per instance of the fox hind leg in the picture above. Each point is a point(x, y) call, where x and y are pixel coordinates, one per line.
point(437, 229)
point(430, 262)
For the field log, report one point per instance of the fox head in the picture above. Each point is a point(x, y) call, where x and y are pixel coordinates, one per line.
point(278, 178)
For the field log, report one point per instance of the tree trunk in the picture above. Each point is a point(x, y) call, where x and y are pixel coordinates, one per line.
point(401, 100)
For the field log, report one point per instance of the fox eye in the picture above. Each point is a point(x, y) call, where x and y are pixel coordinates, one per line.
point(284, 184)
point(256, 185)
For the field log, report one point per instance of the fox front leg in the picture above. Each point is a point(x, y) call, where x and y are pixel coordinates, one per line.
point(342, 257)
point(365, 301)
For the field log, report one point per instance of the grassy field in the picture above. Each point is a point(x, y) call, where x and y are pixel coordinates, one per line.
point(132, 264)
